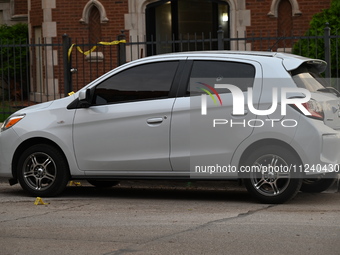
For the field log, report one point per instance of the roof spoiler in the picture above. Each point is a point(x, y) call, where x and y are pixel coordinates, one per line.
point(293, 63)
point(320, 65)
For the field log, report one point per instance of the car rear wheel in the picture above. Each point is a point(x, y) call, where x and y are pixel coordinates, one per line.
point(270, 178)
point(42, 170)
point(103, 183)
point(319, 184)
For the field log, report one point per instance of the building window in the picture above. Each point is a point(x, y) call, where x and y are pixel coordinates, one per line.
point(274, 8)
point(88, 7)
point(95, 32)
point(94, 15)
point(185, 20)
point(284, 23)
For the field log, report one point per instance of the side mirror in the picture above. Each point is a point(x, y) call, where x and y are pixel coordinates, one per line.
point(85, 98)
point(82, 95)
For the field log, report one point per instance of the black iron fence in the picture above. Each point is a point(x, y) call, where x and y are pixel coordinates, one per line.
point(26, 74)
point(325, 46)
point(43, 70)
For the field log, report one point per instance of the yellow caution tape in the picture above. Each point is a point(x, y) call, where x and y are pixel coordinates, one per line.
point(39, 201)
point(112, 43)
point(86, 52)
point(70, 51)
point(73, 183)
point(93, 48)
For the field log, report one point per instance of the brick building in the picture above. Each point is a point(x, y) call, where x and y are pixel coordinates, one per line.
point(159, 18)
point(102, 20)
point(96, 19)
point(13, 11)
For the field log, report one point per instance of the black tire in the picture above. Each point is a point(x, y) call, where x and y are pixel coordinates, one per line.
point(266, 185)
point(319, 184)
point(43, 171)
point(102, 183)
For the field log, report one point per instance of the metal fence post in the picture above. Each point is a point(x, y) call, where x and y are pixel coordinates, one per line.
point(121, 49)
point(220, 35)
point(67, 65)
point(327, 45)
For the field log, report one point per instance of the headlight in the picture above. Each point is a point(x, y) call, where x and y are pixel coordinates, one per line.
point(11, 121)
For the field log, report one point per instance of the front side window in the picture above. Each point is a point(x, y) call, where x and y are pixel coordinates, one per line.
point(144, 82)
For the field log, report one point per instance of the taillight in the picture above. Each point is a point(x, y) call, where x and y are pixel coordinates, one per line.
point(315, 109)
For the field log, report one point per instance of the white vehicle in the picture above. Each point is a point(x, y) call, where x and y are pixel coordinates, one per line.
point(172, 117)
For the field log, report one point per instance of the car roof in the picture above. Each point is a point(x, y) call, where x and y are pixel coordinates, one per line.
point(289, 61)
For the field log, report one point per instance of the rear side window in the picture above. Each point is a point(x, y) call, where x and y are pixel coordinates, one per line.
point(144, 82)
point(224, 72)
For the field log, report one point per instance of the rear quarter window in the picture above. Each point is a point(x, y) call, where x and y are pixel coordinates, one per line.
point(239, 74)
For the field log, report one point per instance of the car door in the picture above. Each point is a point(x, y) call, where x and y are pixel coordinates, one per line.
point(127, 126)
point(202, 142)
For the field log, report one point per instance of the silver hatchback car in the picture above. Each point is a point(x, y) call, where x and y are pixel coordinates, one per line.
point(264, 118)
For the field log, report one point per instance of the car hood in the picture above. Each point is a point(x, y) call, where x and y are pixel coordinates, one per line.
point(35, 107)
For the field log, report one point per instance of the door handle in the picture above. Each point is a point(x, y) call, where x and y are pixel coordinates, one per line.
point(154, 121)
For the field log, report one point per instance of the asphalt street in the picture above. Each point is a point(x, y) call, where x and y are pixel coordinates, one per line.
point(167, 218)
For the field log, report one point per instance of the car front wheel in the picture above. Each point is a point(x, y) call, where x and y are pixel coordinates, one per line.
point(270, 178)
point(42, 170)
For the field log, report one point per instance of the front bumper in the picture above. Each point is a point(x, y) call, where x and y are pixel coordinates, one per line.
point(9, 141)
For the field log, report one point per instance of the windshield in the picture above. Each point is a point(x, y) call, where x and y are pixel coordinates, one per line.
point(306, 76)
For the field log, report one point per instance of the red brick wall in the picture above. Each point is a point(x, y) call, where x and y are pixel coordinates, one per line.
point(263, 25)
point(67, 15)
point(36, 13)
point(20, 7)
